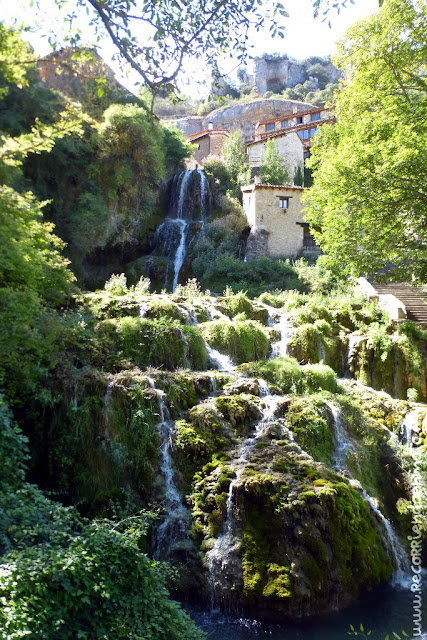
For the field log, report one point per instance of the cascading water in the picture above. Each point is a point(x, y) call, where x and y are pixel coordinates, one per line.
point(344, 443)
point(220, 360)
point(278, 318)
point(204, 195)
point(223, 558)
point(184, 220)
point(107, 409)
point(174, 525)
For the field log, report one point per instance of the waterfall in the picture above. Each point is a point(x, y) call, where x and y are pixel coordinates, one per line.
point(107, 409)
point(344, 443)
point(223, 558)
point(180, 253)
point(220, 360)
point(204, 195)
point(321, 349)
point(278, 318)
point(174, 235)
point(173, 526)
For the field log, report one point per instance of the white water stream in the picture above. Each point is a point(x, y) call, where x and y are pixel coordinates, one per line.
point(343, 444)
point(223, 558)
point(174, 525)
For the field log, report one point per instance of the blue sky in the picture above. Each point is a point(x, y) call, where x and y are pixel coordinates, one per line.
point(304, 35)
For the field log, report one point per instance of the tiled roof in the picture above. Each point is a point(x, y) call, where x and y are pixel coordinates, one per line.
point(194, 136)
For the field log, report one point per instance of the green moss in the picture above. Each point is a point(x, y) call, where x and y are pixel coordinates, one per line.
point(304, 345)
point(320, 376)
point(238, 409)
point(233, 303)
point(197, 347)
point(285, 373)
point(243, 341)
point(160, 307)
point(278, 582)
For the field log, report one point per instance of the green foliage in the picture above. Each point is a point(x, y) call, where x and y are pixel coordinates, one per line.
point(320, 376)
point(367, 203)
point(34, 280)
point(285, 373)
point(236, 161)
point(243, 340)
point(299, 176)
point(272, 170)
point(253, 276)
point(69, 577)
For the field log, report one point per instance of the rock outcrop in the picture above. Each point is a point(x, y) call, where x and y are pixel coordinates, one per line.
point(241, 116)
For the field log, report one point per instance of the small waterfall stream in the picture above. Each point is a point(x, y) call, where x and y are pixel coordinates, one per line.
point(223, 558)
point(190, 201)
point(344, 444)
point(174, 524)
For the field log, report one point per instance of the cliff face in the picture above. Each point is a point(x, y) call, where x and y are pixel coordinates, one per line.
point(241, 116)
point(274, 74)
point(78, 79)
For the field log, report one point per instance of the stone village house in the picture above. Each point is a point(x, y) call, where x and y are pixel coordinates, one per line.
point(277, 226)
point(207, 143)
point(274, 212)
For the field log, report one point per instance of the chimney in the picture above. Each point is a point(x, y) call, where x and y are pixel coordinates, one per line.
point(210, 125)
point(257, 180)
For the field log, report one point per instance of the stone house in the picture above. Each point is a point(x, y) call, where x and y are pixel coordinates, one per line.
point(289, 147)
point(277, 226)
point(207, 143)
point(303, 123)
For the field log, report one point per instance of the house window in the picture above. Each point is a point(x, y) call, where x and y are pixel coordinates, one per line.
point(304, 134)
point(315, 116)
point(270, 127)
point(284, 124)
point(283, 202)
point(312, 132)
point(307, 154)
point(299, 120)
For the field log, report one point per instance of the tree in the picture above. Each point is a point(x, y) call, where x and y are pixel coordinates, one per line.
point(299, 176)
point(236, 161)
point(368, 204)
point(272, 169)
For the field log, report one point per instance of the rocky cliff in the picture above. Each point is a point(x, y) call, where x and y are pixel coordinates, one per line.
point(241, 116)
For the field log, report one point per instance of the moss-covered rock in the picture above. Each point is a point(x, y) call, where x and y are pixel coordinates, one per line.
point(147, 343)
point(305, 537)
point(243, 341)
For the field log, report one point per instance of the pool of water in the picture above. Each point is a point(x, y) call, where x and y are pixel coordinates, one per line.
point(382, 612)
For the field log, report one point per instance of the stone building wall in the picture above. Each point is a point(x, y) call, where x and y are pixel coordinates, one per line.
point(289, 147)
point(274, 231)
point(209, 143)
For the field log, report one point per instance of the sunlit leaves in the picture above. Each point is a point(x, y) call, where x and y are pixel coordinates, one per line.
point(370, 191)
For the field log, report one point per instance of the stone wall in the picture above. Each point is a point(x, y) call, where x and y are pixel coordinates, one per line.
point(289, 147)
point(268, 220)
point(207, 145)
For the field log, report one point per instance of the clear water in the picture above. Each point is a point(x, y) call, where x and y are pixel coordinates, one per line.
point(382, 612)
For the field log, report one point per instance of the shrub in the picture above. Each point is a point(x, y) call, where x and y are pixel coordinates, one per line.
point(243, 341)
point(117, 284)
point(320, 376)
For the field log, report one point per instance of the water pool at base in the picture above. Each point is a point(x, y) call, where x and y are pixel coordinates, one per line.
point(383, 612)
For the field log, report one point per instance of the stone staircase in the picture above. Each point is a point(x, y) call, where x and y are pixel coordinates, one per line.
point(414, 299)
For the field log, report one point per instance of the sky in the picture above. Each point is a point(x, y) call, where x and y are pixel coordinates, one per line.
point(304, 35)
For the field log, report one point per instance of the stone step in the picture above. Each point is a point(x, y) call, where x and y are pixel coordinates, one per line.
point(414, 300)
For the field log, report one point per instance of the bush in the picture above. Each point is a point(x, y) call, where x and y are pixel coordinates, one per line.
point(282, 372)
point(64, 578)
point(320, 376)
point(243, 341)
